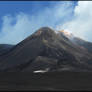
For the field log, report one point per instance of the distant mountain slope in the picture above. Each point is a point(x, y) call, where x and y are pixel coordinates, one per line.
point(86, 44)
point(5, 48)
point(78, 41)
point(47, 50)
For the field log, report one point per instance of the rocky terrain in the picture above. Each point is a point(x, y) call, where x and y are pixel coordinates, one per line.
point(48, 51)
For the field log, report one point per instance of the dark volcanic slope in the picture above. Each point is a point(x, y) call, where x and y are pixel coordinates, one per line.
point(46, 50)
point(86, 44)
point(4, 48)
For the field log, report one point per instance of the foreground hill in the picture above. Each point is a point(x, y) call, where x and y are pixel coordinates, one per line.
point(50, 81)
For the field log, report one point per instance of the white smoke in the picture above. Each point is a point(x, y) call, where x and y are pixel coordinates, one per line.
point(18, 27)
point(81, 24)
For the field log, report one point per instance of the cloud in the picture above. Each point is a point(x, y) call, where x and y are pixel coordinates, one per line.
point(13, 33)
point(18, 27)
point(81, 24)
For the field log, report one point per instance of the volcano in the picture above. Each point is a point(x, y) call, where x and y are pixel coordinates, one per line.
point(48, 51)
point(4, 48)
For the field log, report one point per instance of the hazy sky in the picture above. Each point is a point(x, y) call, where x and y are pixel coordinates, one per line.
point(18, 20)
